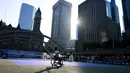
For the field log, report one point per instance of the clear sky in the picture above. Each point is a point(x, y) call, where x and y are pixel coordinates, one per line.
point(10, 9)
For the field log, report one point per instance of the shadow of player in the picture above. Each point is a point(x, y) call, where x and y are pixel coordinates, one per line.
point(47, 69)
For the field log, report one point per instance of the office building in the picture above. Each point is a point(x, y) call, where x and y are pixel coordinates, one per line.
point(126, 15)
point(113, 13)
point(61, 23)
point(26, 17)
point(115, 17)
point(108, 9)
point(94, 26)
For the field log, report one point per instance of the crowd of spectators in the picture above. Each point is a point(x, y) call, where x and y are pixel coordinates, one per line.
point(105, 59)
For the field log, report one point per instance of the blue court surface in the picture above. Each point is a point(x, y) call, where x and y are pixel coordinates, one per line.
point(44, 66)
point(41, 62)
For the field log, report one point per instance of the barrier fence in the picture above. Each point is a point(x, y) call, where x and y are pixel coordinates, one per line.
point(27, 54)
point(21, 54)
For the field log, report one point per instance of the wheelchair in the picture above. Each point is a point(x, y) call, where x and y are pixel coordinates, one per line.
point(56, 62)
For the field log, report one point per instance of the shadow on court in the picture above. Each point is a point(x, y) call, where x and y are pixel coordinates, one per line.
point(48, 69)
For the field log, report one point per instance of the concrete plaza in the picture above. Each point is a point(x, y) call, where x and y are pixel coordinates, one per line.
point(43, 66)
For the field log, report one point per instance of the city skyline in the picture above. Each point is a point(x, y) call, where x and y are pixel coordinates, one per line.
point(11, 11)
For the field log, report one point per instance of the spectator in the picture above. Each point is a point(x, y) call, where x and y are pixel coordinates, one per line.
point(45, 56)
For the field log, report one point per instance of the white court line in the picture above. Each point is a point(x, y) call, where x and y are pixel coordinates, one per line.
point(15, 62)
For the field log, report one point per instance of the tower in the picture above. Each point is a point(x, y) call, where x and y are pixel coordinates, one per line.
point(37, 21)
point(61, 23)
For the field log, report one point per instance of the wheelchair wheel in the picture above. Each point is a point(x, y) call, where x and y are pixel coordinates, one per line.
point(52, 62)
point(59, 65)
point(55, 62)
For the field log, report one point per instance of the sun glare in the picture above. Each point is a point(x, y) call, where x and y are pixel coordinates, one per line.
point(74, 23)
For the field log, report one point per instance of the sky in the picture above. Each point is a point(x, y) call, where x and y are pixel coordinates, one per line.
point(10, 10)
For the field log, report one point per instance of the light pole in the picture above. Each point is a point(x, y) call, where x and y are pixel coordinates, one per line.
point(113, 44)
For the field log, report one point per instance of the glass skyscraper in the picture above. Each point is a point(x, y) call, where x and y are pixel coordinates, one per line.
point(115, 17)
point(115, 12)
point(26, 17)
point(112, 12)
point(108, 9)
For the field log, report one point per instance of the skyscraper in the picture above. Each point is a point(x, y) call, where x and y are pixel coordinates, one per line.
point(26, 17)
point(115, 12)
point(126, 16)
point(94, 26)
point(61, 23)
point(115, 17)
point(108, 9)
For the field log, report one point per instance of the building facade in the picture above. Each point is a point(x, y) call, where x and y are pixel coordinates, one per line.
point(61, 23)
point(108, 9)
point(115, 17)
point(113, 13)
point(94, 26)
point(26, 17)
point(19, 39)
point(24, 40)
point(126, 15)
